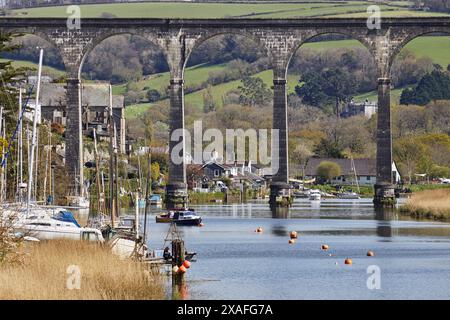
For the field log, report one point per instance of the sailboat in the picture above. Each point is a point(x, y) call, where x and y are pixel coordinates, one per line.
point(351, 194)
point(30, 219)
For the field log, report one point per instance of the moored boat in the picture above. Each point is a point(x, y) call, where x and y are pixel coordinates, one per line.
point(314, 195)
point(164, 217)
point(186, 218)
point(348, 195)
point(182, 217)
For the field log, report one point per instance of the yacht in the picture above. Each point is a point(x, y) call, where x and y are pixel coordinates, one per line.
point(79, 202)
point(314, 195)
point(348, 195)
point(53, 229)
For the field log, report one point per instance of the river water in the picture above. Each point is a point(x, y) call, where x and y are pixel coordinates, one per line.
point(235, 262)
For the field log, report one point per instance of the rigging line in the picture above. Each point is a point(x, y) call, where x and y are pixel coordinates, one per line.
point(17, 126)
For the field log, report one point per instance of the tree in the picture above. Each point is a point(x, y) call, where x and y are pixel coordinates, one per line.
point(153, 95)
point(339, 85)
point(301, 155)
point(208, 100)
point(408, 152)
point(310, 89)
point(328, 170)
point(254, 92)
point(432, 86)
point(331, 86)
point(155, 172)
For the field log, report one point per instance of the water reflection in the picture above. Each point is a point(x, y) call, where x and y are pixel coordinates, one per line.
point(280, 213)
point(384, 216)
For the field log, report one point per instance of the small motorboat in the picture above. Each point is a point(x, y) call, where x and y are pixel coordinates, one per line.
point(186, 218)
point(182, 217)
point(348, 195)
point(164, 217)
point(314, 195)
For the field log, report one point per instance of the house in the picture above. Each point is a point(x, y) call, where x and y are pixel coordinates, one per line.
point(95, 104)
point(366, 108)
point(365, 171)
point(203, 176)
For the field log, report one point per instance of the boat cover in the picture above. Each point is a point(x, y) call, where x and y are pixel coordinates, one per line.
point(66, 216)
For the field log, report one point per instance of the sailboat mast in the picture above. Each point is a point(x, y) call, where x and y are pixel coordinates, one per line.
point(3, 154)
point(33, 139)
point(111, 158)
point(20, 147)
point(97, 175)
point(116, 162)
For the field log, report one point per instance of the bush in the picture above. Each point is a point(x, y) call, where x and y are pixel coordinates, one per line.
point(328, 170)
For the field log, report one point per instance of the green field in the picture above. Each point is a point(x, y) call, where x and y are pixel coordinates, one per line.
point(46, 70)
point(223, 10)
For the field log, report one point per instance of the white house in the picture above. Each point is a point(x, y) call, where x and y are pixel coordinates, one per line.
point(364, 169)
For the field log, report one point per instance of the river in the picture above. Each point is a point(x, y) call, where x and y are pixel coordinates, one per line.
point(235, 262)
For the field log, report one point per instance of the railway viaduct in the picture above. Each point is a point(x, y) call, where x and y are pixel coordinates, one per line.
point(278, 38)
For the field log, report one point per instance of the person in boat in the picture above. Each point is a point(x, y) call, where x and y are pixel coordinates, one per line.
point(166, 254)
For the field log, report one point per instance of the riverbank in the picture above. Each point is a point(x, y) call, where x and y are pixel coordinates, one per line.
point(49, 269)
point(430, 204)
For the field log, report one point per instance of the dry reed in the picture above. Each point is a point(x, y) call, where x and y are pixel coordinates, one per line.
point(45, 274)
point(432, 204)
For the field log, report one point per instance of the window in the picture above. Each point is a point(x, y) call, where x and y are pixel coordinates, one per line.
point(216, 173)
point(368, 178)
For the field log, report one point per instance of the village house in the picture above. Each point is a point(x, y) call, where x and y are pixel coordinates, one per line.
point(95, 104)
point(239, 173)
point(366, 108)
point(363, 169)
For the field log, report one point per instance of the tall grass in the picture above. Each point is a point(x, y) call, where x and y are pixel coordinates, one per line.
point(44, 274)
point(431, 204)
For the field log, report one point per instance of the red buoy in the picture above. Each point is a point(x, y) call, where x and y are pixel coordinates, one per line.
point(293, 235)
point(291, 241)
point(182, 269)
point(370, 253)
point(325, 247)
point(186, 264)
point(348, 261)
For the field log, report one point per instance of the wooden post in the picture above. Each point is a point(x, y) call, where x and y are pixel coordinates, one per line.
point(177, 260)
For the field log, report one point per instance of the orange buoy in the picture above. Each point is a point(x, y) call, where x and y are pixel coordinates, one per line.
point(186, 264)
point(182, 269)
point(259, 230)
point(291, 241)
point(293, 234)
point(175, 269)
point(325, 247)
point(370, 253)
point(348, 261)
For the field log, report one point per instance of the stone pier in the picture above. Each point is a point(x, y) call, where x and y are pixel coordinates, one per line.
point(384, 188)
point(74, 143)
point(279, 188)
point(176, 190)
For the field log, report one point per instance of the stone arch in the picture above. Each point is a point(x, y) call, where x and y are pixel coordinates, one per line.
point(95, 41)
point(202, 38)
point(358, 36)
point(39, 33)
point(410, 37)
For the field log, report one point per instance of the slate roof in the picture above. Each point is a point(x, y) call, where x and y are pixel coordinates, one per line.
point(363, 167)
